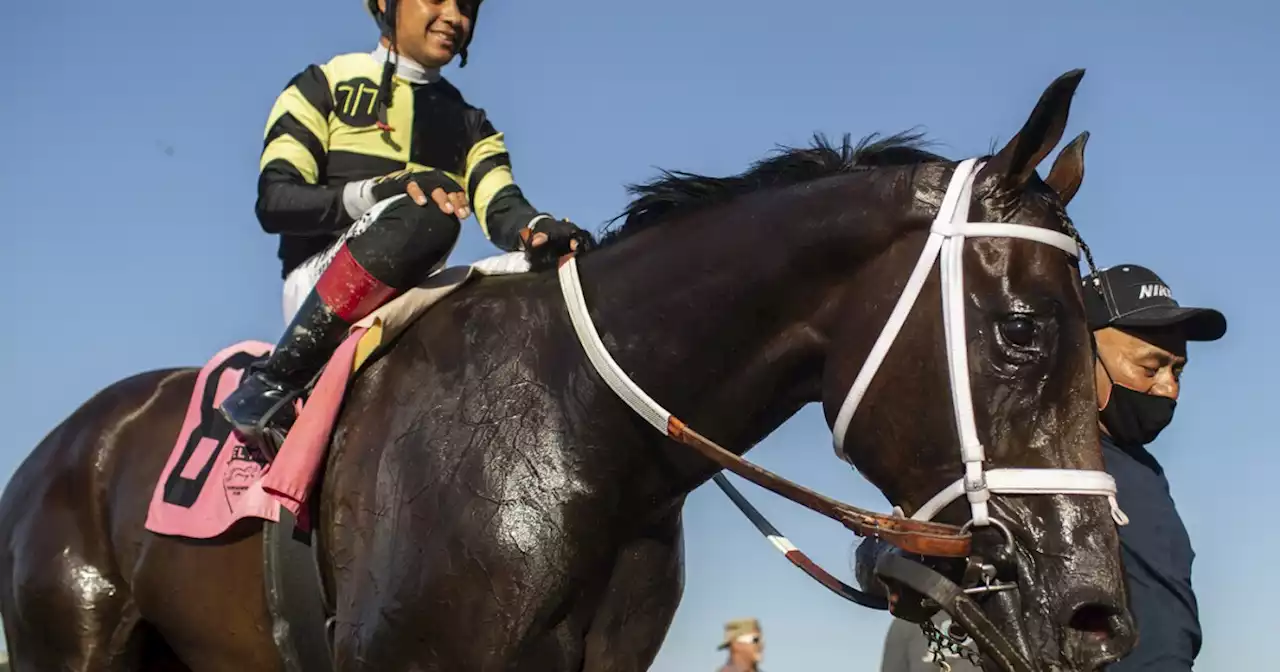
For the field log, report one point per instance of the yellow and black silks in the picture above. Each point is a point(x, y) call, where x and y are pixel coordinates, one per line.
point(323, 132)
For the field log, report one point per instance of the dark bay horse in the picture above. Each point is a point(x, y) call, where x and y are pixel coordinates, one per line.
point(489, 504)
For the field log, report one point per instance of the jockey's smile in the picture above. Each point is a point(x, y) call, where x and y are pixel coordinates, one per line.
point(432, 32)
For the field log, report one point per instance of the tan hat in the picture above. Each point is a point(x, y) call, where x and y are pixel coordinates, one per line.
point(737, 628)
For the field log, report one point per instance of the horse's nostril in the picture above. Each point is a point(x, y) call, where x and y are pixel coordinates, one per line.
point(1098, 634)
point(1103, 624)
point(1095, 619)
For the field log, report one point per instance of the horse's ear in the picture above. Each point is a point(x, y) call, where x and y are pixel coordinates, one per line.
point(1068, 169)
point(1017, 161)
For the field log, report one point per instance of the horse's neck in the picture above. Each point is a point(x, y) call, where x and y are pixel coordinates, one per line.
point(714, 314)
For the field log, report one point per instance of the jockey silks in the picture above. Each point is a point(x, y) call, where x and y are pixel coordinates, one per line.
point(322, 134)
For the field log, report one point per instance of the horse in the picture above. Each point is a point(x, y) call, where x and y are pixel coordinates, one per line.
point(489, 503)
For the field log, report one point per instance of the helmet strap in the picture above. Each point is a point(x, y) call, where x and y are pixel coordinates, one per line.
point(387, 21)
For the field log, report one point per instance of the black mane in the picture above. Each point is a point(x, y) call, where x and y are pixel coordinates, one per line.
point(676, 192)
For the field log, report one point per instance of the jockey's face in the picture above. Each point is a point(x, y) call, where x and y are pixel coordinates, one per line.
point(432, 31)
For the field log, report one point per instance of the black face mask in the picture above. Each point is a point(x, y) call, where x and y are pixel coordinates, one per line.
point(1134, 418)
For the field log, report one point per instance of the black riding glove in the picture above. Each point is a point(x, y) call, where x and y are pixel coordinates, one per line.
point(359, 197)
point(560, 233)
point(394, 184)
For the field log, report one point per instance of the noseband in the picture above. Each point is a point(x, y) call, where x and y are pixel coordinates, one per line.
point(917, 534)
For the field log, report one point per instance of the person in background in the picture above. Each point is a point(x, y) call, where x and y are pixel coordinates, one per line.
point(745, 643)
point(1141, 335)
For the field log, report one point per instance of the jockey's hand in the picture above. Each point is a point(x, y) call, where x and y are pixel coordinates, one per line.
point(451, 202)
point(445, 193)
point(548, 239)
point(359, 197)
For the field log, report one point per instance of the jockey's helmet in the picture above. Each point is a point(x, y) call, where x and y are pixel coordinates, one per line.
point(386, 22)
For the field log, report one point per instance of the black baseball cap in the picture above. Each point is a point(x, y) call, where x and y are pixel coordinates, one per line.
point(1129, 295)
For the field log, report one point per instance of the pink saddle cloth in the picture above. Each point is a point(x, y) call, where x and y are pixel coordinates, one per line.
point(212, 480)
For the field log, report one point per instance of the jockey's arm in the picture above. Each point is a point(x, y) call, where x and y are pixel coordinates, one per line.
point(499, 204)
point(295, 148)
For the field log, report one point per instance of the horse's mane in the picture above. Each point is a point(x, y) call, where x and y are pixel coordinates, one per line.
point(676, 192)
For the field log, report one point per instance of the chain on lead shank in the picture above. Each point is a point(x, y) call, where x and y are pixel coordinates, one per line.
point(938, 641)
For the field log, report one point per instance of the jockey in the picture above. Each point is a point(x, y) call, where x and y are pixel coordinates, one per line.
point(368, 164)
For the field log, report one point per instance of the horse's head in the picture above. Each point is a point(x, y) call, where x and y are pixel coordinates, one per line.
point(1028, 381)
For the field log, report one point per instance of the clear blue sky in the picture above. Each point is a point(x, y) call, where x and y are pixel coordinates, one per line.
point(130, 135)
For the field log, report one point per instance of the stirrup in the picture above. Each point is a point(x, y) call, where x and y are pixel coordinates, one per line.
point(269, 438)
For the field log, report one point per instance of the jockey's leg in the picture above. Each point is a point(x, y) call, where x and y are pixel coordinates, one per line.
point(389, 250)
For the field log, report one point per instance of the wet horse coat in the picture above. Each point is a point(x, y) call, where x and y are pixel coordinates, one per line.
point(490, 505)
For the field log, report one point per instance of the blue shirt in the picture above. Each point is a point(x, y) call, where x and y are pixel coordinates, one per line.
point(1157, 561)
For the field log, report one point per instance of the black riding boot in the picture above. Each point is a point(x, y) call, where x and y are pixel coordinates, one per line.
point(391, 254)
point(307, 343)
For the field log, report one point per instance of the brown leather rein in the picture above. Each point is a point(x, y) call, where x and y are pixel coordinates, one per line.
point(912, 536)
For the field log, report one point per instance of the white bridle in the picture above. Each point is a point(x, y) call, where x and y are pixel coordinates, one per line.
point(946, 239)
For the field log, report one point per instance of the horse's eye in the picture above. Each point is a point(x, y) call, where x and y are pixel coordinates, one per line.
point(1019, 330)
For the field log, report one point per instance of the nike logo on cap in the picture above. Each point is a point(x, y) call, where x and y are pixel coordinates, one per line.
point(1152, 290)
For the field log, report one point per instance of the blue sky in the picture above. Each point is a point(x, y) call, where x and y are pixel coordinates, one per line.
point(131, 135)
